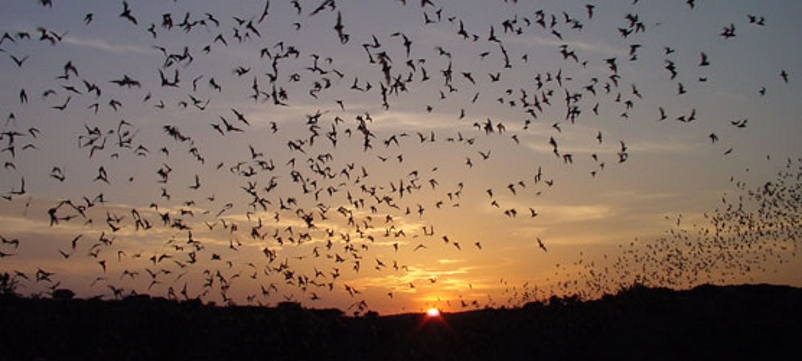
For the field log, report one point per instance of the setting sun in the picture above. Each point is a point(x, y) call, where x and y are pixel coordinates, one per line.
point(433, 312)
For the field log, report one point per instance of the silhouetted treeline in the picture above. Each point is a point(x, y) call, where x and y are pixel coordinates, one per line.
point(639, 323)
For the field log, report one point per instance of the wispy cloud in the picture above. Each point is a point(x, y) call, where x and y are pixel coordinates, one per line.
point(421, 276)
point(104, 45)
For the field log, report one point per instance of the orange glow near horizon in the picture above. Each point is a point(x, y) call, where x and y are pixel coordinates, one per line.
point(432, 313)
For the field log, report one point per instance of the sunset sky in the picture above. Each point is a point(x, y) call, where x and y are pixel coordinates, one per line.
point(519, 150)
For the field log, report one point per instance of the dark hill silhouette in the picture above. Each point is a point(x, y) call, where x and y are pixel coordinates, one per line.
point(638, 323)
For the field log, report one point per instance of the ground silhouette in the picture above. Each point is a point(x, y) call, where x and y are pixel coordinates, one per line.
point(638, 323)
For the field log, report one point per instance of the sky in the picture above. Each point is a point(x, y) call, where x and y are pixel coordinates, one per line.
point(397, 155)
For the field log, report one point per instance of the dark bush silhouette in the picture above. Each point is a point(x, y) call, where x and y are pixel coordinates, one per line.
point(63, 294)
point(638, 323)
point(8, 285)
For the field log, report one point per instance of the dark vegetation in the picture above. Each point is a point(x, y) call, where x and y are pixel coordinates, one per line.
point(639, 323)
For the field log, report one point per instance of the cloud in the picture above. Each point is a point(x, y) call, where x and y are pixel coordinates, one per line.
point(579, 213)
point(444, 280)
point(104, 45)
